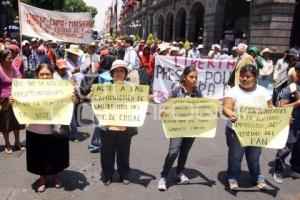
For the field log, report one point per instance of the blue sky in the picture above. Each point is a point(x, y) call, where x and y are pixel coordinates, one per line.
point(101, 6)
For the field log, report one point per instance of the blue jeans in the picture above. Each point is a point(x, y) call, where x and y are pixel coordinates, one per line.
point(177, 146)
point(95, 141)
point(235, 157)
point(292, 145)
point(73, 126)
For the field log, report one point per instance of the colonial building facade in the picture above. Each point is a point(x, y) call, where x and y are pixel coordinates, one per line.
point(261, 23)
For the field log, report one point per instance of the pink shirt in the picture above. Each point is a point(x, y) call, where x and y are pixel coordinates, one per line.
point(44, 129)
point(6, 81)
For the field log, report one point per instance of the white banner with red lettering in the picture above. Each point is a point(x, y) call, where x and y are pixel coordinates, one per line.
point(56, 26)
point(212, 76)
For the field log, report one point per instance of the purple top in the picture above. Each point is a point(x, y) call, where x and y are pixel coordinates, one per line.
point(6, 81)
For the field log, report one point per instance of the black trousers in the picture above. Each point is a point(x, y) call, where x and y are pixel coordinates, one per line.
point(115, 145)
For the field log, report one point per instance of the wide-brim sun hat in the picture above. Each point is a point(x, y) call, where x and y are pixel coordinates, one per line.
point(265, 50)
point(119, 63)
point(74, 49)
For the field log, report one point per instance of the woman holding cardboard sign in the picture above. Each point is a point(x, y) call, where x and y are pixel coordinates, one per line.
point(116, 140)
point(180, 146)
point(247, 93)
point(47, 153)
point(8, 121)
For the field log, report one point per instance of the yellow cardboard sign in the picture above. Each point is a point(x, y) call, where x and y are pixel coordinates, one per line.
point(40, 101)
point(262, 127)
point(120, 104)
point(190, 117)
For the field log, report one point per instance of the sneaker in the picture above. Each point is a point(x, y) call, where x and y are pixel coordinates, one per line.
point(94, 149)
point(106, 182)
point(125, 181)
point(261, 185)
point(277, 176)
point(294, 174)
point(162, 186)
point(183, 178)
point(233, 185)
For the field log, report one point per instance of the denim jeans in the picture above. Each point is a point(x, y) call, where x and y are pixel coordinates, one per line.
point(292, 145)
point(73, 126)
point(177, 146)
point(235, 157)
point(96, 141)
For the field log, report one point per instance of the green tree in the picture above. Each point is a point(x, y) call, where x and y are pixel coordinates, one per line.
point(79, 6)
point(63, 5)
point(150, 39)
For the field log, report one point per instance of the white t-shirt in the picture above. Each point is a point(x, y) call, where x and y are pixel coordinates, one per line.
point(256, 98)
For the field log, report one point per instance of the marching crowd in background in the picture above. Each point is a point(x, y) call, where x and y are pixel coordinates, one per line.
point(120, 60)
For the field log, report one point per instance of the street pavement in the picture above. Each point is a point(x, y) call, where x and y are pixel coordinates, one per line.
point(206, 166)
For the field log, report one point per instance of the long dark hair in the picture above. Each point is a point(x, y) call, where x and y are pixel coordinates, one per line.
point(186, 71)
point(3, 54)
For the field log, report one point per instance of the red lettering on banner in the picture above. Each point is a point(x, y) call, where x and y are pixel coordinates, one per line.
point(57, 22)
point(210, 64)
point(199, 66)
point(175, 61)
point(80, 24)
point(230, 64)
point(193, 62)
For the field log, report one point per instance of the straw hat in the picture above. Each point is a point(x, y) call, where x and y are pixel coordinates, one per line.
point(265, 50)
point(74, 49)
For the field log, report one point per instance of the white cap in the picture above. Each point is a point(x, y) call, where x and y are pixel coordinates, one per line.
point(119, 63)
point(24, 42)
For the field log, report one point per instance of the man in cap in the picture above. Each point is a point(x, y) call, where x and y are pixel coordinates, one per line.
point(131, 56)
point(29, 61)
point(91, 59)
point(290, 97)
point(182, 51)
point(194, 52)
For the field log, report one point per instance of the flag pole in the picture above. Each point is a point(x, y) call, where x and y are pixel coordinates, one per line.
point(20, 25)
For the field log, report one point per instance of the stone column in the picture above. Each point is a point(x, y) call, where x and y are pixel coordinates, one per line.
point(271, 24)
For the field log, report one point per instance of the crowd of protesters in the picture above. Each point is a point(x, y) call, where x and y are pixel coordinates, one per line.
point(255, 73)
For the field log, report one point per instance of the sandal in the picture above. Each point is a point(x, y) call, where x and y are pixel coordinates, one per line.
point(42, 188)
point(8, 150)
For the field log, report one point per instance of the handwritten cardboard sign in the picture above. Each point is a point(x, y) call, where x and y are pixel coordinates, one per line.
point(190, 117)
point(263, 127)
point(120, 104)
point(38, 101)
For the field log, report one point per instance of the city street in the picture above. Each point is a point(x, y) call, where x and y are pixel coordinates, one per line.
point(206, 167)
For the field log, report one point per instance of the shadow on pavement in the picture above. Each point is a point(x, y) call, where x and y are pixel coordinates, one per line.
point(191, 174)
point(140, 177)
point(71, 180)
point(83, 136)
point(246, 184)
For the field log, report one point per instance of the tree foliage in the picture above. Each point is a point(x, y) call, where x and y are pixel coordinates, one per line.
point(63, 5)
